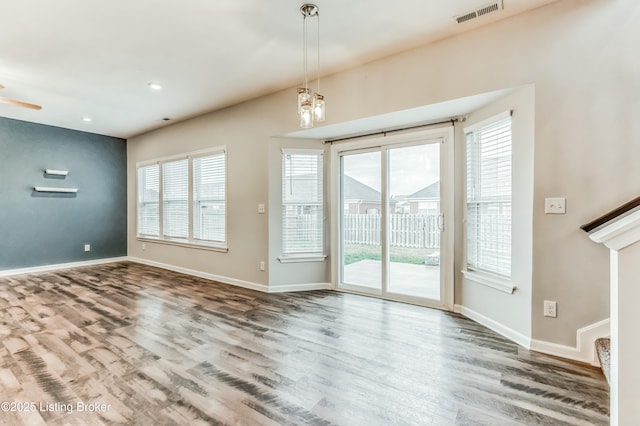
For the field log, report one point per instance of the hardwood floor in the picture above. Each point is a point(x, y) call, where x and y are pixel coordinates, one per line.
point(156, 347)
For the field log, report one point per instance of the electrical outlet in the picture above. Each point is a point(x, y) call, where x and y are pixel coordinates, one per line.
point(262, 265)
point(144, 246)
point(550, 308)
point(87, 247)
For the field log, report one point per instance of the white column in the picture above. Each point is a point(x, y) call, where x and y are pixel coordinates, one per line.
point(622, 237)
point(625, 336)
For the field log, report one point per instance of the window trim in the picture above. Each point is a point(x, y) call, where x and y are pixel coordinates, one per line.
point(189, 242)
point(487, 278)
point(302, 257)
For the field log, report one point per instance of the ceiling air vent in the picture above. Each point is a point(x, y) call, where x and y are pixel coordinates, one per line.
point(493, 7)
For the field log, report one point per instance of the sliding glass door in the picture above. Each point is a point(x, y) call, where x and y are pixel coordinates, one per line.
point(414, 221)
point(391, 221)
point(361, 187)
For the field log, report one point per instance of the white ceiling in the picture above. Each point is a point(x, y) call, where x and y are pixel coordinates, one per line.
point(94, 57)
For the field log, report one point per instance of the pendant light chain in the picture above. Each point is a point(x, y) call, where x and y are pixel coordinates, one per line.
point(310, 107)
point(305, 51)
point(318, 50)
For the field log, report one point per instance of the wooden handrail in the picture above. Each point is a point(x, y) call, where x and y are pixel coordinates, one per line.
point(613, 214)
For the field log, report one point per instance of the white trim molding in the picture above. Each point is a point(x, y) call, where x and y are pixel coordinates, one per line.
point(202, 245)
point(299, 287)
point(290, 258)
point(620, 233)
point(584, 351)
point(58, 266)
point(509, 333)
point(233, 281)
point(490, 280)
point(219, 278)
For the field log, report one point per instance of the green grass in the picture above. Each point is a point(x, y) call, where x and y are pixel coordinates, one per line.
point(357, 252)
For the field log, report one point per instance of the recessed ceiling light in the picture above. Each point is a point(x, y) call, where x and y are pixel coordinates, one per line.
point(87, 119)
point(154, 86)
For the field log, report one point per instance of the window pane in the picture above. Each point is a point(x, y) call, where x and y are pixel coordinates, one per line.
point(175, 198)
point(149, 200)
point(209, 209)
point(489, 198)
point(302, 203)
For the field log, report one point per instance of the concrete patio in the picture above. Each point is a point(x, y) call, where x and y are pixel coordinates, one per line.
point(404, 278)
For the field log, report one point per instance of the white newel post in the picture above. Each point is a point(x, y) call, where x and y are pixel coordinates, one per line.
point(622, 237)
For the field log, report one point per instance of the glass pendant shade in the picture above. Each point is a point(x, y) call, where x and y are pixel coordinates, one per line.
point(318, 107)
point(304, 95)
point(306, 115)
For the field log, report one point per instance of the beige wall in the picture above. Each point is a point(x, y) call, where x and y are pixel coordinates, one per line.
point(246, 136)
point(511, 310)
point(292, 273)
point(580, 57)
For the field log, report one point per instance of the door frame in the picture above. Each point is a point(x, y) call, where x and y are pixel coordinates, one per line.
point(446, 135)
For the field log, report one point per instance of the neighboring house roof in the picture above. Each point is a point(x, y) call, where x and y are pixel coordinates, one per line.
point(430, 192)
point(356, 190)
point(305, 187)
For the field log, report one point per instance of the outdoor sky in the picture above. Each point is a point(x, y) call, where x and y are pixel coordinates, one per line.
point(411, 168)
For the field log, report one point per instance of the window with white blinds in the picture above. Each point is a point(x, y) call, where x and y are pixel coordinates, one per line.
point(175, 199)
point(302, 202)
point(183, 199)
point(209, 198)
point(489, 182)
point(149, 200)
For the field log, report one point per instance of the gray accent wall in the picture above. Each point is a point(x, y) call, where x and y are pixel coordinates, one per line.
point(52, 228)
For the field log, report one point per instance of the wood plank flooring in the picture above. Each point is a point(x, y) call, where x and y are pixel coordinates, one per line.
point(153, 347)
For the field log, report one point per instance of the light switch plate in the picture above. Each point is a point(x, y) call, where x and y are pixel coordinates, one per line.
point(554, 205)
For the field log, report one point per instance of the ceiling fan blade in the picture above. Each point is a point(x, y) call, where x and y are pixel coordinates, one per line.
point(19, 103)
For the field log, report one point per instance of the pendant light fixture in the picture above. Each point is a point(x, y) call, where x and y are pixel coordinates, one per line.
point(310, 107)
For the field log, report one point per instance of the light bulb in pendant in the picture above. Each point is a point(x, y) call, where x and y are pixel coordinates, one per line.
point(304, 95)
point(318, 107)
point(306, 115)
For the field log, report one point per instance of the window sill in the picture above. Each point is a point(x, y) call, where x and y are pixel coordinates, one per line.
point(302, 258)
point(181, 243)
point(493, 281)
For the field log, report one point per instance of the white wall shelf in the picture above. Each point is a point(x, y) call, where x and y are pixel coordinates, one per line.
point(51, 189)
point(53, 172)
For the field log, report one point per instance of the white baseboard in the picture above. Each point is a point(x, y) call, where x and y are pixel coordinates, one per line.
point(584, 351)
point(299, 287)
point(226, 280)
point(233, 281)
point(494, 325)
point(58, 266)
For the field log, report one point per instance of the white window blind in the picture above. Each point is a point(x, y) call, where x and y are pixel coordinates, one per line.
point(149, 200)
point(182, 199)
point(175, 199)
point(488, 219)
point(302, 203)
point(209, 198)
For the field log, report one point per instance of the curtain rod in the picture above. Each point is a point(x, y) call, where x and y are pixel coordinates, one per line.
point(385, 132)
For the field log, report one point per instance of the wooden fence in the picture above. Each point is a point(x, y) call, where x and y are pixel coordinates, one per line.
point(407, 230)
